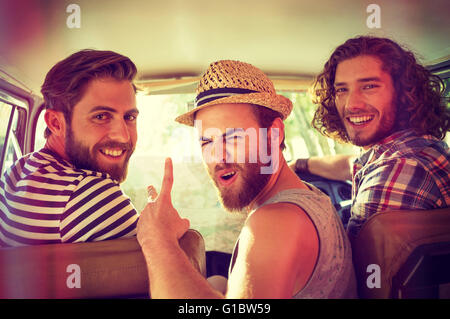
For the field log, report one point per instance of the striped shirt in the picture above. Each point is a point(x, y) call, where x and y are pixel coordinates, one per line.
point(404, 171)
point(46, 200)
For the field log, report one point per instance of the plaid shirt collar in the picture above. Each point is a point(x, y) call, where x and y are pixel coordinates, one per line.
point(393, 140)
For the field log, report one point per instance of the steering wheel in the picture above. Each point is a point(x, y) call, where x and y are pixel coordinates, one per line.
point(340, 193)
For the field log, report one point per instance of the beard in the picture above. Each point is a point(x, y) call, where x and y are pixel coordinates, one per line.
point(383, 131)
point(83, 158)
point(386, 127)
point(248, 185)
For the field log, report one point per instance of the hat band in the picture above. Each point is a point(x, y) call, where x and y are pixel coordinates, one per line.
point(214, 94)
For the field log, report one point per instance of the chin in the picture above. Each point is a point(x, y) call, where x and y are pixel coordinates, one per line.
point(235, 203)
point(360, 142)
point(232, 207)
point(116, 173)
point(363, 139)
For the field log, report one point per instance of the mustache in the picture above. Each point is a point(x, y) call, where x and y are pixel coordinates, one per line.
point(112, 144)
point(219, 167)
point(359, 111)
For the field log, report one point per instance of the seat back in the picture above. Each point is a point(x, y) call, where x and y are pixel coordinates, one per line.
point(106, 269)
point(425, 274)
point(390, 242)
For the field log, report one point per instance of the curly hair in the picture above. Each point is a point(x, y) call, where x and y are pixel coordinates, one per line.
point(419, 100)
point(66, 81)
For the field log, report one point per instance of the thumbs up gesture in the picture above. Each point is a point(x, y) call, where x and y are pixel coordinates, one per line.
point(159, 222)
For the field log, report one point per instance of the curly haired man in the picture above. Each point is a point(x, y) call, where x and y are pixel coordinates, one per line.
point(374, 94)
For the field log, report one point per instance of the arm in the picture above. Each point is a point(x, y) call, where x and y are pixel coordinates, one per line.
point(171, 274)
point(335, 167)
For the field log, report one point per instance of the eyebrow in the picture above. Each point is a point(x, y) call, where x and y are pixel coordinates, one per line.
point(362, 80)
point(110, 109)
point(227, 133)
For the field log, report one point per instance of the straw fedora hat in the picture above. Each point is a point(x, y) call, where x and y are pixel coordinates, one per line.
point(228, 81)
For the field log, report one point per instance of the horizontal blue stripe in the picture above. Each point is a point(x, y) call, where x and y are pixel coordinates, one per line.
point(207, 96)
point(25, 227)
point(33, 202)
point(47, 180)
point(27, 214)
point(42, 191)
point(28, 241)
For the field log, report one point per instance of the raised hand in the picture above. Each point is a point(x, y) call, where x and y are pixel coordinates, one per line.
point(159, 221)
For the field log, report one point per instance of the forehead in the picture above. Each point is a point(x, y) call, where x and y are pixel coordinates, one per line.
point(117, 94)
point(223, 116)
point(360, 67)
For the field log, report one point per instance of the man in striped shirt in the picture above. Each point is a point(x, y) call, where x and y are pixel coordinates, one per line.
point(372, 93)
point(69, 191)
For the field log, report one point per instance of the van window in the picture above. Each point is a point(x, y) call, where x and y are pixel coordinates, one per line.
point(9, 134)
point(447, 98)
point(5, 114)
point(39, 139)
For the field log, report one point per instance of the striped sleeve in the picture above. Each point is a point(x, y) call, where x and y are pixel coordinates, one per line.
point(396, 184)
point(97, 210)
point(30, 208)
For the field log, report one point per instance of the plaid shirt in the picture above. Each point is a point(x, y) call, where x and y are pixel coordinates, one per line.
point(403, 171)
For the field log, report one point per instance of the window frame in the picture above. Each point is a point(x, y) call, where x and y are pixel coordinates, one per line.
point(18, 134)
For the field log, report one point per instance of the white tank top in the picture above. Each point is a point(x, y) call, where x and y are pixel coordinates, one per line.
point(333, 276)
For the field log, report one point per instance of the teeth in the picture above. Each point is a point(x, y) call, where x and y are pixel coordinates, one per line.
point(228, 174)
point(111, 152)
point(360, 119)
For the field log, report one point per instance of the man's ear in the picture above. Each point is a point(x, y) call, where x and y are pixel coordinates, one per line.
point(56, 122)
point(279, 126)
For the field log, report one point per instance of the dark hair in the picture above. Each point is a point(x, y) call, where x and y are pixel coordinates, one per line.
point(265, 118)
point(418, 93)
point(65, 83)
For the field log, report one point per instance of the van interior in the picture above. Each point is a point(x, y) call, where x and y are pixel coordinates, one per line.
point(172, 42)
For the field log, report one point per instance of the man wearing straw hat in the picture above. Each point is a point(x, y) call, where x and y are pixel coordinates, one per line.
point(292, 244)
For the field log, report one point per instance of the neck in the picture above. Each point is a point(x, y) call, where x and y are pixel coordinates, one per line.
point(57, 146)
point(272, 187)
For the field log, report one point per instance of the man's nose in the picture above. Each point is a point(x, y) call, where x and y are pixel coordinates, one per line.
point(354, 100)
point(119, 131)
point(219, 152)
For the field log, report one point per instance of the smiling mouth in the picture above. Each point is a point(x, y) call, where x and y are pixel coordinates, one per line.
point(111, 152)
point(228, 176)
point(360, 120)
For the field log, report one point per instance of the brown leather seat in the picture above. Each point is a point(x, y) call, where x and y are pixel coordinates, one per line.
point(112, 268)
point(387, 239)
